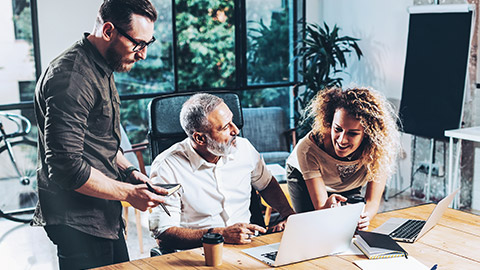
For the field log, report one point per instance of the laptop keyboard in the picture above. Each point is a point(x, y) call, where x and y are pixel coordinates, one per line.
point(271, 255)
point(408, 230)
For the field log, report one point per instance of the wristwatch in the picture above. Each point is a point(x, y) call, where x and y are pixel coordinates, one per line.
point(128, 171)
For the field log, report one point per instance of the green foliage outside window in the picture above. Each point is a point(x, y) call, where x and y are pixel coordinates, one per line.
point(152, 75)
point(268, 51)
point(268, 61)
point(324, 54)
point(205, 44)
point(22, 20)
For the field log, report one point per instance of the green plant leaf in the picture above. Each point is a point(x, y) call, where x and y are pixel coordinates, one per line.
point(323, 54)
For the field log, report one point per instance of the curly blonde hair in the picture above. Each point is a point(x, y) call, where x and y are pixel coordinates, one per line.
point(381, 142)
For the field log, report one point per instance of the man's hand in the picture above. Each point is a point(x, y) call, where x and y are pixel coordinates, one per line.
point(364, 221)
point(240, 233)
point(334, 200)
point(137, 177)
point(142, 199)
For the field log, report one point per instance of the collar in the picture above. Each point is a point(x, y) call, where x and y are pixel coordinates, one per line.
point(97, 58)
point(197, 161)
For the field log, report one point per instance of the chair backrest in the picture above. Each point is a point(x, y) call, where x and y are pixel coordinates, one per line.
point(164, 122)
point(265, 128)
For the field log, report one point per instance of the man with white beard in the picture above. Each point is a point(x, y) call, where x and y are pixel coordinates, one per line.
point(217, 170)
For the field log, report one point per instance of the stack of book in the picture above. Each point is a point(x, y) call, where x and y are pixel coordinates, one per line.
point(378, 246)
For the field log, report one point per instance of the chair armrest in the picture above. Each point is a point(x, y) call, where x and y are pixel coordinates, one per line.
point(137, 149)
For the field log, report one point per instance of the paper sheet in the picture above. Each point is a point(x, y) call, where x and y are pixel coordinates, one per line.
point(399, 263)
point(275, 169)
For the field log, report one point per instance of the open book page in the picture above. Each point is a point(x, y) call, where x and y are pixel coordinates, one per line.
point(399, 263)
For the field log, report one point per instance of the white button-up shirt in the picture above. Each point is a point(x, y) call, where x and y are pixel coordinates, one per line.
point(214, 195)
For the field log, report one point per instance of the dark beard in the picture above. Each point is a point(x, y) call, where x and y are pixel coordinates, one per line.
point(114, 59)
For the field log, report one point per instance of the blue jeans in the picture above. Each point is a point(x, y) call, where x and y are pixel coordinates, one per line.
point(78, 250)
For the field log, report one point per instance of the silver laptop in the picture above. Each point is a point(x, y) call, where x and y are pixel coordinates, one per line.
point(409, 230)
point(311, 235)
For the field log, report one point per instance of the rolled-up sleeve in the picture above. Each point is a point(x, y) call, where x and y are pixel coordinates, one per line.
point(261, 176)
point(159, 221)
point(68, 102)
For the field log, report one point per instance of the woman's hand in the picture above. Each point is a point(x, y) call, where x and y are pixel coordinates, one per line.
point(364, 221)
point(334, 200)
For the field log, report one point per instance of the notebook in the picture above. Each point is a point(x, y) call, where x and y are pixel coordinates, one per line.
point(311, 235)
point(409, 230)
point(378, 246)
point(391, 264)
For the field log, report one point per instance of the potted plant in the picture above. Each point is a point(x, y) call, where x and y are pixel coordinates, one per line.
point(323, 55)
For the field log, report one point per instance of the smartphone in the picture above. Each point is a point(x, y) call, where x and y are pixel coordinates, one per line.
point(171, 188)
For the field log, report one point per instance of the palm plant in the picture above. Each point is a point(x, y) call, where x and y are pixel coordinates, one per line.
point(323, 54)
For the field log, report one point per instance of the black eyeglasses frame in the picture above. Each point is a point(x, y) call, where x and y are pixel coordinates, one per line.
point(139, 45)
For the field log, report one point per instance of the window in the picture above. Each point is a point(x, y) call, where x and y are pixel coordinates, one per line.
point(18, 70)
point(205, 40)
point(155, 73)
point(270, 41)
point(17, 37)
point(240, 45)
point(214, 44)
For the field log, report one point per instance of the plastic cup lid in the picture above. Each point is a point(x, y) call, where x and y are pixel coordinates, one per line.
point(212, 238)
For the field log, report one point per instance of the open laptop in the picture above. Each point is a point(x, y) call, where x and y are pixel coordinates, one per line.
point(409, 230)
point(311, 235)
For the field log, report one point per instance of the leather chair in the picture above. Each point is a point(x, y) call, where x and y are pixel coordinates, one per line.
point(164, 127)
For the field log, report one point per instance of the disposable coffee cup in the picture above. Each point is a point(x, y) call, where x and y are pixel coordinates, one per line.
point(213, 248)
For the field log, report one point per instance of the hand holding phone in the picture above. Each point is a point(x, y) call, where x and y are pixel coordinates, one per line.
point(171, 188)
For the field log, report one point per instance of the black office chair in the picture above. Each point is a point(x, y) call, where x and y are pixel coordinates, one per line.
point(164, 127)
point(164, 130)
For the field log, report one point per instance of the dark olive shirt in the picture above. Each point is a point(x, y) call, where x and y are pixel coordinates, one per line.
point(77, 111)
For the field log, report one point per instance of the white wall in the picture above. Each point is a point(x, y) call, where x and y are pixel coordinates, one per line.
point(61, 23)
point(382, 27)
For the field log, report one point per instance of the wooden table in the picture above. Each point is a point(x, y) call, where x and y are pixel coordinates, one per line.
point(453, 244)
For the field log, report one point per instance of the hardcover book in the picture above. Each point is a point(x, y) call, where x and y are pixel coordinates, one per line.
point(377, 245)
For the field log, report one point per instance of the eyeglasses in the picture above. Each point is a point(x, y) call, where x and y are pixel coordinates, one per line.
point(138, 45)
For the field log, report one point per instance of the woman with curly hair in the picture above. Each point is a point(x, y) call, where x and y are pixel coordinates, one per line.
point(353, 142)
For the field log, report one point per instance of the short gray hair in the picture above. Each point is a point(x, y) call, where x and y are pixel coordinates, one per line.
point(193, 116)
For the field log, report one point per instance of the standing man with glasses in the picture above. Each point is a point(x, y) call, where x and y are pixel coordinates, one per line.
point(83, 175)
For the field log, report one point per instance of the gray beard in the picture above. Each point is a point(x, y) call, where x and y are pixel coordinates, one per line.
point(220, 149)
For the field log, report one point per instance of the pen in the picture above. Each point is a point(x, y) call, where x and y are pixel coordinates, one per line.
point(150, 188)
point(434, 267)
